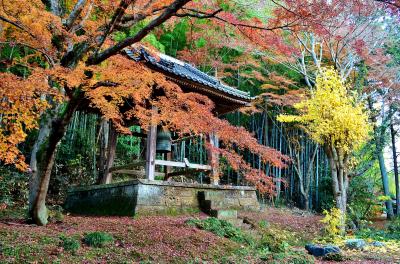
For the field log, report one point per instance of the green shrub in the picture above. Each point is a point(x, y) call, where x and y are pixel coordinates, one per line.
point(273, 240)
point(377, 234)
point(70, 244)
point(394, 226)
point(222, 228)
point(263, 224)
point(97, 239)
point(13, 187)
point(334, 257)
point(392, 232)
point(292, 257)
point(56, 214)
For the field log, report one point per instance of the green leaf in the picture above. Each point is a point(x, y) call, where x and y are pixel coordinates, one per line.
point(201, 42)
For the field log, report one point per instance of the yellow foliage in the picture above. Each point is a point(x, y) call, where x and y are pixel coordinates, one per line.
point(334, 221)
point(331, 115)
point(20, 108)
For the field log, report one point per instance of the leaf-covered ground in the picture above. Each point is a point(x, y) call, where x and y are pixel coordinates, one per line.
point(156, 239)
point(302, 227)
point(299, 225)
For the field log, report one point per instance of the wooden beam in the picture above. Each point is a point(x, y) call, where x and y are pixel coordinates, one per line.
point(139, 173)
point(132, 165)
point(181, 164)
point(170, 163)
point(184, 138)
point(199, 166)
point(182, 172)
point(138, 134)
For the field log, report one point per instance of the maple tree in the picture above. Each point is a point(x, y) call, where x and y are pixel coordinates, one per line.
point(80, 66)
point(79, 47)
point(337, 120)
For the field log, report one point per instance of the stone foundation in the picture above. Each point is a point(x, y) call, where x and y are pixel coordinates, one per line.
point(144, 197)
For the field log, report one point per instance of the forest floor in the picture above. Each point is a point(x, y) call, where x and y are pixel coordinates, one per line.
point(161, 239)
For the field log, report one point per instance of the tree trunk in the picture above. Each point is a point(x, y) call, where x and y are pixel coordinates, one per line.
point(379, 134)
point(340, 181)
point(340, 195)
point(42, 158)
point(337, 187)
point(395, 167)
point(111, 148)
point(103, 147)
point(306, 201)
point(385, 183)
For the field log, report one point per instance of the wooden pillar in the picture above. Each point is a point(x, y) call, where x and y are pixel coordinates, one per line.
point(151, 151)
point(168, 168)
point(213, 159)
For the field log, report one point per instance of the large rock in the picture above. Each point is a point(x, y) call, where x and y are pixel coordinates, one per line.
point(378, 244)
point(321, 251)
point(355, 243)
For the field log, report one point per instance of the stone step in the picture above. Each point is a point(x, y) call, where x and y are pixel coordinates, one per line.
point(224, 214)
point(209, 195)
point(236, 222)
point(212, 204)
point(220, 204)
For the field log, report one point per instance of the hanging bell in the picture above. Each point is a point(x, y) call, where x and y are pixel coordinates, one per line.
point(163, 143)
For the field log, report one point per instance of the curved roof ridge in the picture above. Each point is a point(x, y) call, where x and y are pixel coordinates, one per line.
point(184, 70)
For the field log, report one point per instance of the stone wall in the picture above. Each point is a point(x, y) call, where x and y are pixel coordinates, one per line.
point(144, 197)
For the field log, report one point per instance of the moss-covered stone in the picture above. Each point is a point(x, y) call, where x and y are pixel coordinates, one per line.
point(143, 197)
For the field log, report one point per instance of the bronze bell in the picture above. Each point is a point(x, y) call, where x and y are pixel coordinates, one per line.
point(163, 143)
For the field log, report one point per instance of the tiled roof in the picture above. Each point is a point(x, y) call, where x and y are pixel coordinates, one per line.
point(186, 71)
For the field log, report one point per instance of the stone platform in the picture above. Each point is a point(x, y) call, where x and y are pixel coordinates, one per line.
point(144, 197)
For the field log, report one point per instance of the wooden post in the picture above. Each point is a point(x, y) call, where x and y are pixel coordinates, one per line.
point(213, 159)
point(151, 151)
point(167, 168)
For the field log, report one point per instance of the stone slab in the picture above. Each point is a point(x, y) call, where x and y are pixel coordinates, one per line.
point(144, 196)
point(224, 214)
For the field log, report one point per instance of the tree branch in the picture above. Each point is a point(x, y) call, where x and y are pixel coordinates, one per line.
point(76, 11)
point(18, 25)
point(199, 14)
point(104, 84)
point(83, 20)
point(390, 2)
point(168, 13)
point(47, 56)
point(130, 20)
point(140, 16)
point(123, 5)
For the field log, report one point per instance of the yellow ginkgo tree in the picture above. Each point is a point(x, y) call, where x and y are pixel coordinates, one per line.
point(336, 120)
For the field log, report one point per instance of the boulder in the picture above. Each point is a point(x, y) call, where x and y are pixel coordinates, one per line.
point(355, 243)
point(377, 244)
point(321, 251)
